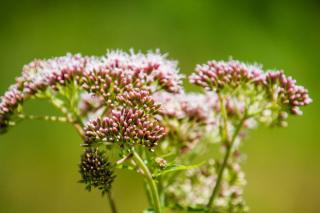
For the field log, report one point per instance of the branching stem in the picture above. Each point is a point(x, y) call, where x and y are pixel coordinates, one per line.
point(229, 142)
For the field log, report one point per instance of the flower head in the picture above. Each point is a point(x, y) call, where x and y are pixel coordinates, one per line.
point(138, 99)
point(96, 171)
point(250, 91)
point(9, 102)
point(41, 74)
point(216, 75)
point(126, 127)
point(286, 93)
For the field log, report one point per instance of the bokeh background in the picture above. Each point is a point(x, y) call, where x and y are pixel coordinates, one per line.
point(38, 161)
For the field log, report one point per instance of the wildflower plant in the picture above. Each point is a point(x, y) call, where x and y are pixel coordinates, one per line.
point(131, 112)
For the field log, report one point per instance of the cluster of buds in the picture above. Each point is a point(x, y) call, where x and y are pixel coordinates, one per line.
point(126, 127)
point(249, 87)
point(285, 92)
point(194, 189)
point(138, 99)
point(96, 171)
point(9, 102)
point(116, 67)
point(217, 75)
point(41, 74)
point(149, 68)
point(116, 77)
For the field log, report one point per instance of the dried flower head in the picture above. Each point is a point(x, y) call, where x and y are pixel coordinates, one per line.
point(126, 127)
point(96, 171)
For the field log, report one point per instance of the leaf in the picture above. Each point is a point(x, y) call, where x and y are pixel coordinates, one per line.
point(174, 168)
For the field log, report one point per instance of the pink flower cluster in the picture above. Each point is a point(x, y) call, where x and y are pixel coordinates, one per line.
point(220, 75)
point(41, 74)
point(198, 107)
point(126, 128)
point(216, 75)
point(286, 92)
point(8, 105)
point(140, 99)
point(99, 73)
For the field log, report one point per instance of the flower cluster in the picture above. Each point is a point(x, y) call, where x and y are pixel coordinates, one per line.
point(9, 102)
point(115, 77)
point(139, 99)
point(190, 106)
point(41, 74)
point(187, 116)
point(96, 171)
point(116, 67)
point(195, 188)
point(126, 128)
point(269, 95)
point(216, 75)
point(285, 92)
point(136, 102)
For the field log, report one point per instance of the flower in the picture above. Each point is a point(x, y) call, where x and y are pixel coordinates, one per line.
point(96, 171)
point(9, 102)
point(126, 127)
point(285, 92)
point(216, 75)
point(266, 96)
point(41, 74)
point(188, 117)
point(138, 99)
point(192, 106)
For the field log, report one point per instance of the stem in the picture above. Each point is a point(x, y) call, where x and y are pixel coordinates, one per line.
point(46, 118)
point(150, 181)
point(229, 145)
point(112, 203)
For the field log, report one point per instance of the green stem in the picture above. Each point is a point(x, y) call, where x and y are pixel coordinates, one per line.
point(112, 203)
point(150, 181)
point(46, 118)
point(229, 145)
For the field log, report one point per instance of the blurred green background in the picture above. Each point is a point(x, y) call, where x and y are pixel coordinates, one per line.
point(38, 161)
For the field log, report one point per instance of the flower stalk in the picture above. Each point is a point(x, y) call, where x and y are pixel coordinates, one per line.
point(151, 183)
